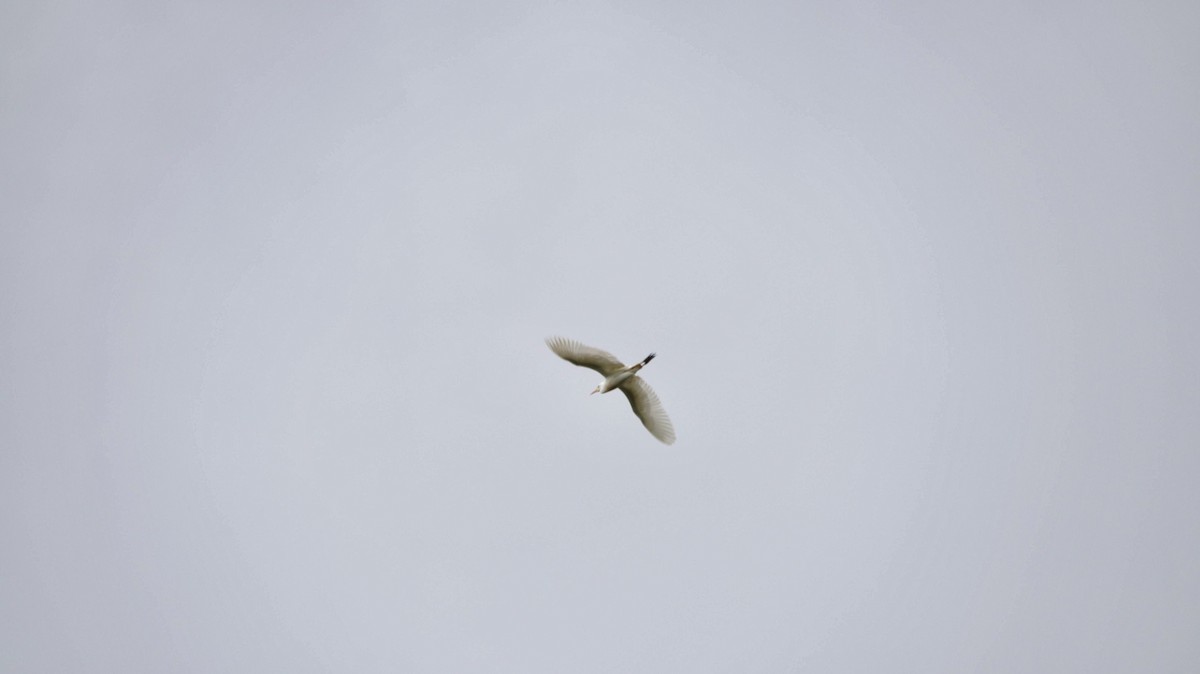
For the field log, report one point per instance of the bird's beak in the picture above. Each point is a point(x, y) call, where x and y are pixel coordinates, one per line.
point(594, 390)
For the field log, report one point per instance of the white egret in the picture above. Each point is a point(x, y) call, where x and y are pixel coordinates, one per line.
point(618, 375)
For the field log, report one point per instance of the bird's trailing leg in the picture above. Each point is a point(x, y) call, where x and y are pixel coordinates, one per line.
point(642, 364)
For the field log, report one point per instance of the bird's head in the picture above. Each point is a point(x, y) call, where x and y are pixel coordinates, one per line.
point(595, 390)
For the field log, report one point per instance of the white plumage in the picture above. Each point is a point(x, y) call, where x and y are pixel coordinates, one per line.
point(618, 375)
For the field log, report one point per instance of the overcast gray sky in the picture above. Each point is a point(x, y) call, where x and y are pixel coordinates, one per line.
point(922, 280)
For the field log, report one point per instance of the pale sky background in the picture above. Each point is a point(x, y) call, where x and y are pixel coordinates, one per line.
point(922, 279)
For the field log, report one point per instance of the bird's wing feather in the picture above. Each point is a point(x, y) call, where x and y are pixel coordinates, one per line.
point(584, 356)
point(647, 407)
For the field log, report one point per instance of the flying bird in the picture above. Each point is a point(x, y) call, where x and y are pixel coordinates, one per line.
point(618, 375)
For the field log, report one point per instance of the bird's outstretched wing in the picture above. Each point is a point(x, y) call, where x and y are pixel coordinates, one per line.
point(584, 356)
point(646, 405)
